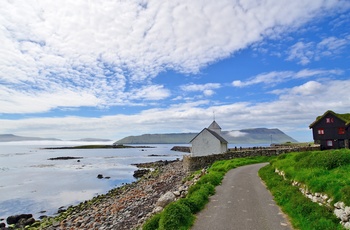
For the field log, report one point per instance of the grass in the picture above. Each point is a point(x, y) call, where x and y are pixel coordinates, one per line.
point(325, 172)
point(303, 213)
point(180, 214)
point(321, 171)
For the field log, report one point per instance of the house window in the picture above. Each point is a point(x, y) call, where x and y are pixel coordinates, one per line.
point(329, 143)
point(341, 130)
point(320, 131)
point(329, 120)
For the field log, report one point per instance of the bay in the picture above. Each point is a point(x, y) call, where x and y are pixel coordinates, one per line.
point(31, 183)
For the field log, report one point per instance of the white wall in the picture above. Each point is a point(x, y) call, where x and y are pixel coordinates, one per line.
point(207, 144)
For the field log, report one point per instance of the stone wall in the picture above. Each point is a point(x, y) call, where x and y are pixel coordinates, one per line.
point(340, 210)
point(196, 163)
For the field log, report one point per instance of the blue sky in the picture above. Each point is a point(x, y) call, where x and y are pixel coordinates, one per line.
point(109, 69)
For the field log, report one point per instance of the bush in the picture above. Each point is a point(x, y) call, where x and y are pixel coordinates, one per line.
point(176, 216)
point(199, 198)
point(213, 178)
point(152, 223)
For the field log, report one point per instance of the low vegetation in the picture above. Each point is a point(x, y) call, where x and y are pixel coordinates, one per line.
point(180, 214)
point(325, 172)
point(321, 171)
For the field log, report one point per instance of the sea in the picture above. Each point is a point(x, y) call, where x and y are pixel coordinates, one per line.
point(32, 183)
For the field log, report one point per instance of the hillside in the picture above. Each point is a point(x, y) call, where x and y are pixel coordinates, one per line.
point(245, 136)
point(92, 140)
point(11, 137)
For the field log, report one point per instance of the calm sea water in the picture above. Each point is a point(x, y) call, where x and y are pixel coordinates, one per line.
point(30, 183)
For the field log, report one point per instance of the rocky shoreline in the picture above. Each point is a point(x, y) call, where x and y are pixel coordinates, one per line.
point(126, 207)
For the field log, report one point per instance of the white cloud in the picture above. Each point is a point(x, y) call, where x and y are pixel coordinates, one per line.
point(302, 51)
point(153, 92)
point(275, 77)
point(99, 47)
point(207, 89)
point(24, 102)
point(305, 52)
point(294, 109)
point(236, 134)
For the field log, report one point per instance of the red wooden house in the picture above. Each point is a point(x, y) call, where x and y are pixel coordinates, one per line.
point(331, 130)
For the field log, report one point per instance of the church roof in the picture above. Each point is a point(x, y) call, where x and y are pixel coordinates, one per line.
point(215, 134)
point(214, 126)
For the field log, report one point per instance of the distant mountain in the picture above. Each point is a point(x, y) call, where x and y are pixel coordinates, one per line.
point(93, 140)
point(170, 138)
point(244, 136)
point(257, 136)
point(11, 137)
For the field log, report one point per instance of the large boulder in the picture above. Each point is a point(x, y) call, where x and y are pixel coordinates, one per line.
point(165, 199)
point(16, 218)
point(140, 172)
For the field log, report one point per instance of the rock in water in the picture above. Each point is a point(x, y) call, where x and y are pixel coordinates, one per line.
point(140, 172)
point(16, 218)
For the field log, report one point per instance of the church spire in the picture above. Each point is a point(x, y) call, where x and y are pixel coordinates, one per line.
point(215, 127)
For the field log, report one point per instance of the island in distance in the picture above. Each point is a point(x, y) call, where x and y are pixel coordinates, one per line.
point(12, 137)
point(92, 140)
point(244, 136)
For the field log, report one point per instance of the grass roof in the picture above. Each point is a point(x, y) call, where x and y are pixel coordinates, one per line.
point(345, 117)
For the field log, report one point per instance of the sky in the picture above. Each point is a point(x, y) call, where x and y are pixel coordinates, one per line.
point(114, 68)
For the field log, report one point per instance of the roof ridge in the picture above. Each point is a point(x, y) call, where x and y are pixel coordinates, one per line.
point(343, 116)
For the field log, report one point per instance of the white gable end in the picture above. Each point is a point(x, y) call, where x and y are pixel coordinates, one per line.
point(205, 143)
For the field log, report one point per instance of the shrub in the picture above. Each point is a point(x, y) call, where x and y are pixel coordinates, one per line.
point(152, 223)
point(213, 178)
point(176, 216)
point(199, 198)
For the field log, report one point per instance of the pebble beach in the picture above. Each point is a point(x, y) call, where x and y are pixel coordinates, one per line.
point(126, 207)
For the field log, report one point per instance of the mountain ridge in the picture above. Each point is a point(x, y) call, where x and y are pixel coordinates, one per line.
point(244, 136)
point(12, 137)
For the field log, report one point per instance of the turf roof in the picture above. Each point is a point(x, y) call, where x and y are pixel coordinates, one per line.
point(345, 117)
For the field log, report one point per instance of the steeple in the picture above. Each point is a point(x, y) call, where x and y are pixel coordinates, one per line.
point(215, 127)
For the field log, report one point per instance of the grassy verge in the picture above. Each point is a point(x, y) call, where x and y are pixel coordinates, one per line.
point(321, 171)
point(179, 215)
point(303, 213)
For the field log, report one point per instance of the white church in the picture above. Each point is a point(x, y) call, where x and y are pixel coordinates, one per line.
point(209, 141)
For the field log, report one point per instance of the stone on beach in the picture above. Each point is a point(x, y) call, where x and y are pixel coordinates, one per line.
point(20, 221)
point(128, 207)
point(165, 199)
